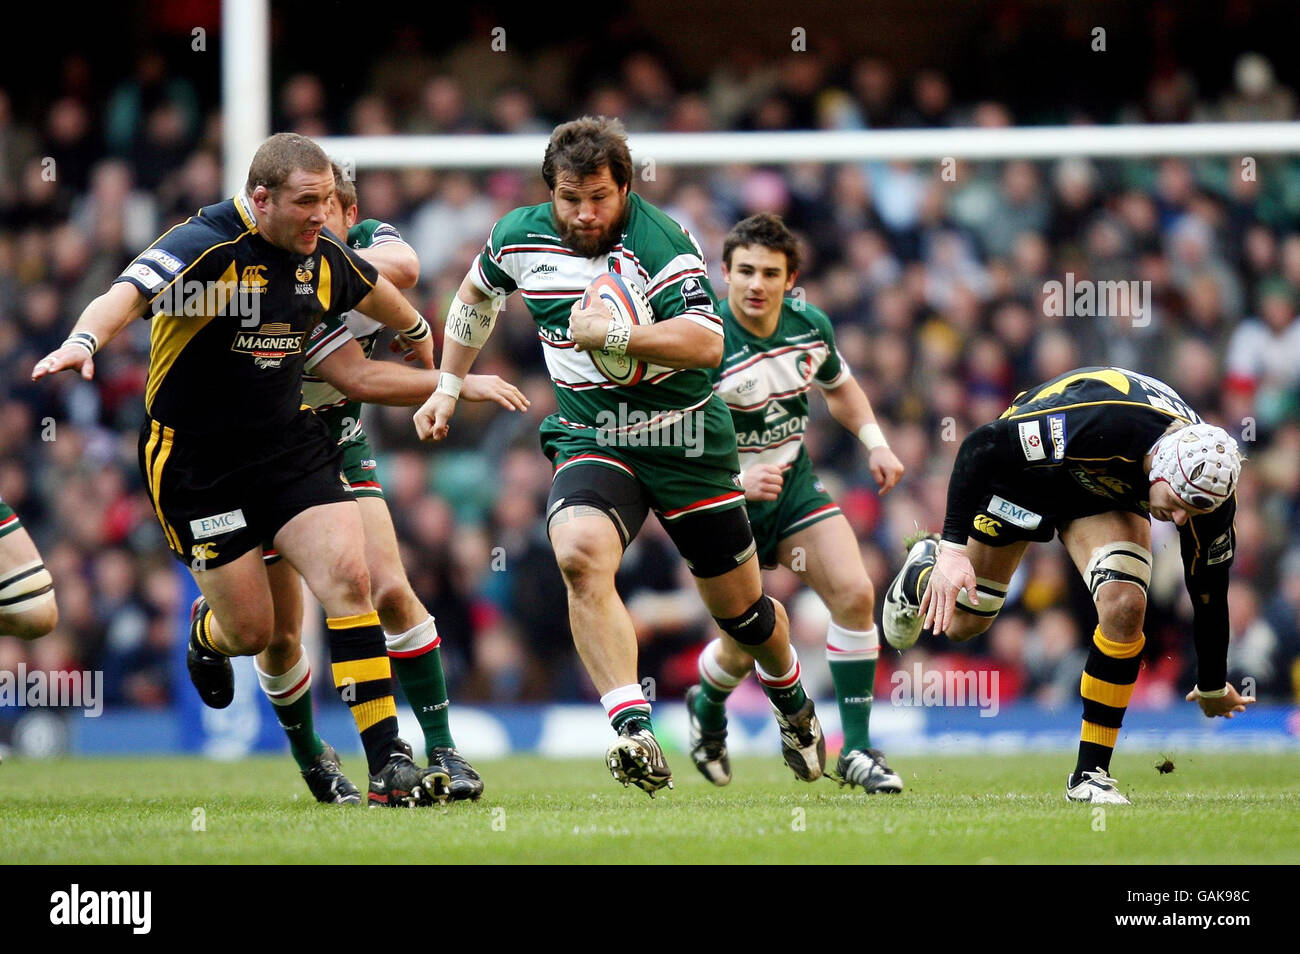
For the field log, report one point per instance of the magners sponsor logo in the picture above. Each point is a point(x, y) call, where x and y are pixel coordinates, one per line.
point(269, 344)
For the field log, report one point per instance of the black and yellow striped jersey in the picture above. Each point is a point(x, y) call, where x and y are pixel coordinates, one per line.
point(1075, 446)
point(230, 312)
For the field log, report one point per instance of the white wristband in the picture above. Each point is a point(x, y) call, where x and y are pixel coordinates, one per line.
point(1216, 694)
point(449, 384)
point(872, 436)
point(949, 545)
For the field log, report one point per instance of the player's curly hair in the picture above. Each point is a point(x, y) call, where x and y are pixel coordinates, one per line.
point(766, 230)
point(280, 156)
point(582, 146)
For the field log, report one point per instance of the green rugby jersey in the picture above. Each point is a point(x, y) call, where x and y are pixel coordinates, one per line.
point(524, 253)
point(340, 413)
point(765, 381)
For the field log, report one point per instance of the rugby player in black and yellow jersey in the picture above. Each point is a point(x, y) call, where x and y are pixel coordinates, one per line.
point(232, 460)
point(1093, 455)
point(339, 379)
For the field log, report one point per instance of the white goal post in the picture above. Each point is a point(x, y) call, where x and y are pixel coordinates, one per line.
point(1024, 142)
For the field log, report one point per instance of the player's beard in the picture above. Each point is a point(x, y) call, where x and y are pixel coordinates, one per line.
point(593, 244)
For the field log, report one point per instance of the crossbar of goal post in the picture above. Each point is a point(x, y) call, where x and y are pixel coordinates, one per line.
point(1028, 142)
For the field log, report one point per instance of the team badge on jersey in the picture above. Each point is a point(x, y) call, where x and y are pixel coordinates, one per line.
point(693, 294)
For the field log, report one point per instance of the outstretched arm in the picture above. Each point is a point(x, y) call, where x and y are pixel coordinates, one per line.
point(1207, 544)
point(385, 382)
point(469, 322)
point(851, 407)
point(103, 318)
point(387, 306)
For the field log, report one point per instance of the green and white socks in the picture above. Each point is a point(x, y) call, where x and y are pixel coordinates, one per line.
point(290, 695)
point(852, 655)
point(417, 663)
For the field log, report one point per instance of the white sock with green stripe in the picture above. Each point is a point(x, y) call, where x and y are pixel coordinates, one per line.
point(626, 703)
point(785, 690)
point(716, 684)
point(852, 655)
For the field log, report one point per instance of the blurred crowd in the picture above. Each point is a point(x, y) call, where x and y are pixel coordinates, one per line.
point(934, 276)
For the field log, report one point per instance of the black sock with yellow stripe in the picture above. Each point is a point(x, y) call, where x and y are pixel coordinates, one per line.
point(201, 631)
point(1109, 676)
point(363, 678)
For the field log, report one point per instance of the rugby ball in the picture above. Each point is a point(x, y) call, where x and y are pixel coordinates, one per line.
point(619, 296)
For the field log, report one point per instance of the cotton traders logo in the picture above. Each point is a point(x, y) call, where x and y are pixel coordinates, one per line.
point(545, 268)
point(253, 279)
point(270, 344)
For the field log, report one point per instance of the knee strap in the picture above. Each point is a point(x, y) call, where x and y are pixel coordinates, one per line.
point(754, 626)
point(25, 588)
point(992, 595)
point(1120, 562)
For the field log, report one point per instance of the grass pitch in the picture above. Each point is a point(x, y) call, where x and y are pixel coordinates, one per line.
point(956, 809)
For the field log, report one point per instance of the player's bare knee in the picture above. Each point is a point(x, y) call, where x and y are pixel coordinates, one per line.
point(32, 624)
point(1121, 608)
point(284, 639)
point(350, 582)
point(250, 641)
point(855, 602)
point(1117, 576)
point(396, 603)
point(583, 564)
point(246, 633)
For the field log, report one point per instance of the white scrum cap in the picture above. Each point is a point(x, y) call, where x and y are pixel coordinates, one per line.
point(1200, 462)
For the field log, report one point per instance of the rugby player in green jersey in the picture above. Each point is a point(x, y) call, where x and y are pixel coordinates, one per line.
point(337, 379)
point(622, 450)
point(777, 349)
